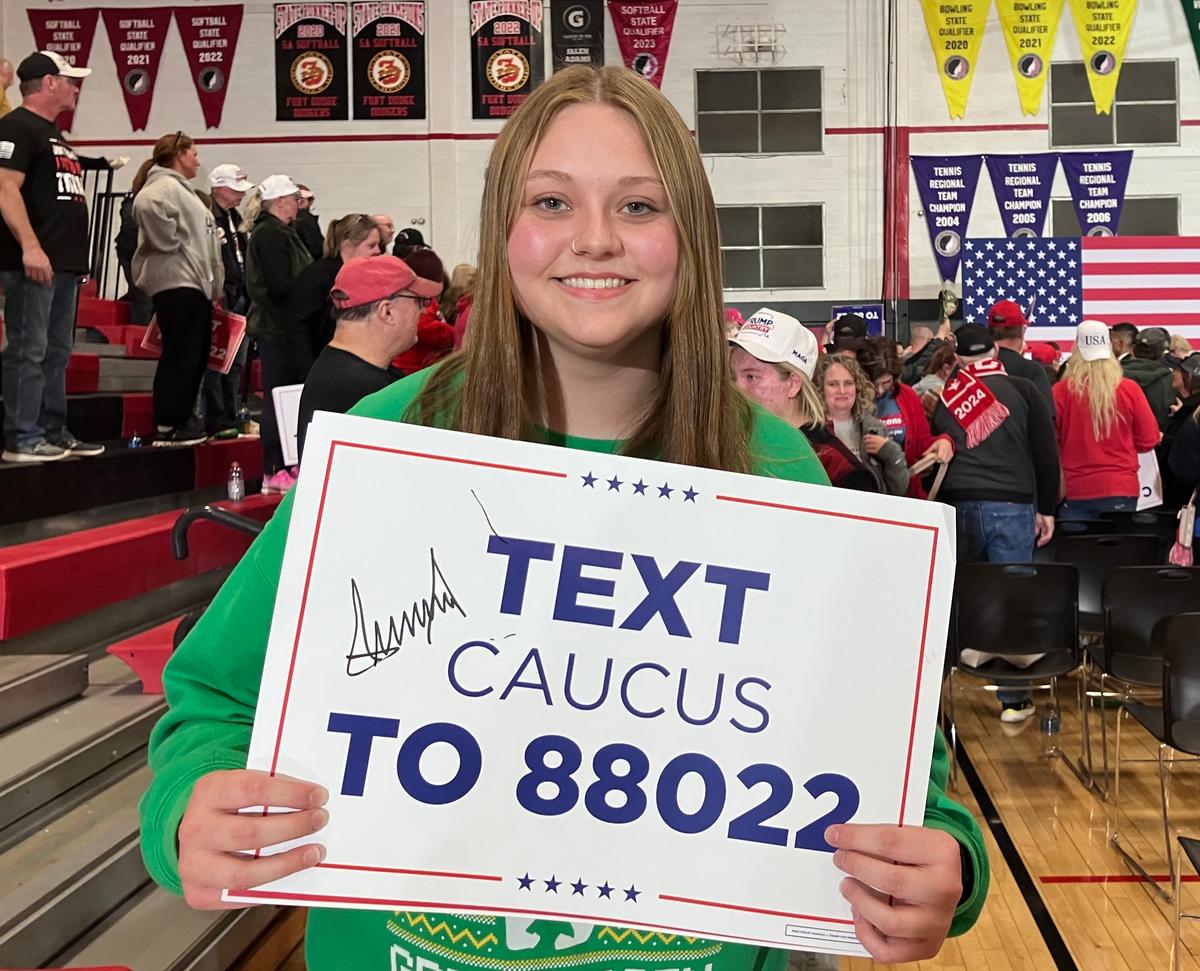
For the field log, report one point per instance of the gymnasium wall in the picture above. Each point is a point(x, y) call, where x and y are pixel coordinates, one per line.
point(427, 173)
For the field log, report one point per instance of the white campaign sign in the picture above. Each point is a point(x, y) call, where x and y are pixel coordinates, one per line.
point(596, 688)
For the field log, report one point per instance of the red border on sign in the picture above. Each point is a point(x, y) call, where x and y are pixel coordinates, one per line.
point(327, 898)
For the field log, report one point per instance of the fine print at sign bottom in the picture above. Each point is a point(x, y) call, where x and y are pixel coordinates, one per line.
point(596, 688)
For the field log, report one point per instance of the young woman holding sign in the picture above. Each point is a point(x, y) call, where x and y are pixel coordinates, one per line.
point(596, 325)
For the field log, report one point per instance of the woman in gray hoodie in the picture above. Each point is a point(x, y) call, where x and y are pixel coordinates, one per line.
point(178, 263)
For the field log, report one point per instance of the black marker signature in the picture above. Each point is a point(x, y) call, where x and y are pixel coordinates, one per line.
point(373, 650)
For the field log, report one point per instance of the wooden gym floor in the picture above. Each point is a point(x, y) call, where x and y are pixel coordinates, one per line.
point(1062, 898)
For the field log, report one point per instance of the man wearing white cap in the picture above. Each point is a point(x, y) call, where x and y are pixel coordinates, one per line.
point(43, 255)
point(227, 187)
point(274, 258)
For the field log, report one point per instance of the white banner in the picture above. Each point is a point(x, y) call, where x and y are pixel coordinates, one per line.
point(597, 688)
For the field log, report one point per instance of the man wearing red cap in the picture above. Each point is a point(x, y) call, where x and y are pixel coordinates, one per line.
point(1007, 323)
point(377, 302)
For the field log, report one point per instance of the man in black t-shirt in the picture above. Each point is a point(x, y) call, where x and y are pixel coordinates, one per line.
point(1007, 323)
point(43, 255)
point(377, 302)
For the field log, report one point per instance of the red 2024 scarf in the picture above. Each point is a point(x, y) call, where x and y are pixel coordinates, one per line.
point(972, 404)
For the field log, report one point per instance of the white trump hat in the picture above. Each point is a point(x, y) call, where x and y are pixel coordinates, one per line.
point(776, 338)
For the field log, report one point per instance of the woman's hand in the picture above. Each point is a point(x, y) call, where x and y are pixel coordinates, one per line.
point(904, 885)
point(873, 443)
point(215, 840)
point(942, 449)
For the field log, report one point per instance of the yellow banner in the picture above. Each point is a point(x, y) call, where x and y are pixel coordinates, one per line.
point(956, 31)
point(1103, 27)
point(1029, 27)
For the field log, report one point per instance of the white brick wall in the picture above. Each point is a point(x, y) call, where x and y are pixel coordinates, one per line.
point(438, 180)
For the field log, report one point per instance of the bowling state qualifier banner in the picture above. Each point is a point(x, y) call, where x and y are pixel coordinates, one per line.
point(210, 36)
point(389, 59)
point(1023, 184)
point(946, 184)
point(1097, 182)
point(69, 33)
point(1103, 27)
point(507, 55)
point(310, 62)
point(576, 33)
point(644, 35)
point(956, 31)
point(136, 37)
point(1029, 30)
point(557, 697)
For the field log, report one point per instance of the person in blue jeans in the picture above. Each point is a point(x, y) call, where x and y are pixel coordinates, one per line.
point(1003, 481)
point(43, 257)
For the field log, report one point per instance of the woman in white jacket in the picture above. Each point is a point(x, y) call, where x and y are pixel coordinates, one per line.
point(178, 263)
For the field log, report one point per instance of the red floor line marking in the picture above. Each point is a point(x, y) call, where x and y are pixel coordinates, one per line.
point(414, 873)
point(753, 910)
point(1116, 878)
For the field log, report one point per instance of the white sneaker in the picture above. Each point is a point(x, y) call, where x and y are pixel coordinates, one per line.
point(1011, 716)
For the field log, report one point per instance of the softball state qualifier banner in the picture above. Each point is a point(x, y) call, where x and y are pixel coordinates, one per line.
point(584, 678)
point(310, 62)
point(136, 37)
point(389, 59)
point(1029, 28)
point(956, 31)
point(644, 35)
point(507, 55)
point(69, 33)
point(210, 36)
point(1103, 27)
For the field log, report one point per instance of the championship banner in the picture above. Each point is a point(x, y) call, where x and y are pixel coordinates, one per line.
point(644, 35)
point(1023, 184)
point(1191, 13)
point(310, 62)
point(69, 33)
point(507, 55)
point(210, 36)
point(545, 706)
point(946, 184)
point(1103, 27)
point(1029, 30)
point(136, 37)
point(1097, 183)
point(389, 59)
point(576, 33)
point(956, 31)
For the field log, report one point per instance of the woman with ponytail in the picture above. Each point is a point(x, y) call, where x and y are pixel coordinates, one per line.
point(1103, 422)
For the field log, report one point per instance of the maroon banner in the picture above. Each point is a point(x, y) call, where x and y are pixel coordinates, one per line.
point(644, 35)
point(136, 37)
point(69, 33)
point(210, 36)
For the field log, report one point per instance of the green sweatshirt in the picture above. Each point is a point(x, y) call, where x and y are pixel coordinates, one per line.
point(212, 685)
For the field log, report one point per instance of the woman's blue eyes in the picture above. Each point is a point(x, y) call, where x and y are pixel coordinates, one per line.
point(555, 204)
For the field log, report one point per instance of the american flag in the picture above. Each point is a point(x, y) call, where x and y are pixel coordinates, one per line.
point(1150, 281)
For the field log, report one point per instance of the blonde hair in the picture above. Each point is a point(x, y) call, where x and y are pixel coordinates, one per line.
point(1179, 346)
point(864, 397)
point(252, 208)
point(1097, 382)
point(697, 417)
point(353, 227)
point(165, 151)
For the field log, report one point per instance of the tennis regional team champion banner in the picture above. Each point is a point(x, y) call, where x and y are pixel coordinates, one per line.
point(946, 184)
point(1023, 184)
point(1103, 27)
point(588, 673)
point(507, 55)
point(389, 59)
point(956, 31)
point(311, 80)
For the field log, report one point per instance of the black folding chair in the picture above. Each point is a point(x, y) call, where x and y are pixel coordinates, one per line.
point(1010, 610)
point(1072, 527)
point(1155, 522)
point(1095, 557)
point(1191, 849)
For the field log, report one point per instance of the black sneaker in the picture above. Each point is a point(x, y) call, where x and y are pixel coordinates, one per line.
point(73, 446)
point(179, 438)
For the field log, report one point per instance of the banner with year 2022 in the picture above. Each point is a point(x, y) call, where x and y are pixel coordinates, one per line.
point(603, 669)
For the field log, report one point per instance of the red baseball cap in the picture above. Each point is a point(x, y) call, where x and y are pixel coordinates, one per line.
point(1043, 353)
point(372, 278)
point(1006, 313)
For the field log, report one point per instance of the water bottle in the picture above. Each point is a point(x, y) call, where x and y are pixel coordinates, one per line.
point(135, 441)
point(236, 486)
point(243, 419)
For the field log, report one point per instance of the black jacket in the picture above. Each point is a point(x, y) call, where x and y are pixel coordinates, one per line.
point(309, 309)
point(308, 228)
point(1021, 367)
point(233, 256)
point(1182, 431)
point(1154, 378)
point(914, 368)
point(1018, 462)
